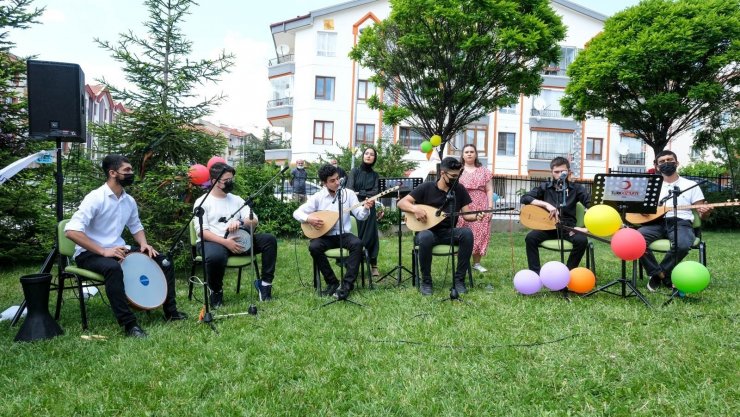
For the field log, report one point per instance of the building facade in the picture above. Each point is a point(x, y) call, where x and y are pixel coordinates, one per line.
point(319, 98)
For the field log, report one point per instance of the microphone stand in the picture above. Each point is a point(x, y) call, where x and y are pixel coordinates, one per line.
point(561, 206)
point(451, 196)
point(341, 294)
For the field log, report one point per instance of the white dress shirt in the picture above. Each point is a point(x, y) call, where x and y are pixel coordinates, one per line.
point(102, 216)
point(323, 201)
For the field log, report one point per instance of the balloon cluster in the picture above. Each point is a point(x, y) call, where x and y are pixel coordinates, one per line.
point(554, 276)
point(428, 145)
point(200, 174)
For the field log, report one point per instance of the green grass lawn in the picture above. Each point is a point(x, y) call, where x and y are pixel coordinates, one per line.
point(499, 353)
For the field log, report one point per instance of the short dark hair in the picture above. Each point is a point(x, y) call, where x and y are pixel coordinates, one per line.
point(477, 161)
point(218, 167)
point(664, 153)
point(559, 160)
point(326, 171)
point(450, 163)
point(113, 162)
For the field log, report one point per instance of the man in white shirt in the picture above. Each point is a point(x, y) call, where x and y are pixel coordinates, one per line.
point(327, 199)
point(666, 163)
point(221, 230)
point(96, 228)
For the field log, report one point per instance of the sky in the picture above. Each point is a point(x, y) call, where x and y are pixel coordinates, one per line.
point(67, 29)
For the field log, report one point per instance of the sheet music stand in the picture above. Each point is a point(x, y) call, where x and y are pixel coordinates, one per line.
point(407, 184)
point(633, 193)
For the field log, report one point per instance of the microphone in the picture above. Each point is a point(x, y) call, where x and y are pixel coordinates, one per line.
point(165, 262)
point(341, 186)
point(563, 176)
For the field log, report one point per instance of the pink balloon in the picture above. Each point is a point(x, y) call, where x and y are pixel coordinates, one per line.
point(628, 244)
point(198, 174)
point(555, 275)
point(213, 160)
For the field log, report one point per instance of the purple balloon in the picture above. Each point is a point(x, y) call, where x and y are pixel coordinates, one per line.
point(527, 282)
point(555, 275)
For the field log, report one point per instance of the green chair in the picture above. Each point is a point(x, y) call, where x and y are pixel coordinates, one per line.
point(84, 278)
point(664, 245)
point(554, 244)
point(238, 261)
point(437, 250)
point(338, 253)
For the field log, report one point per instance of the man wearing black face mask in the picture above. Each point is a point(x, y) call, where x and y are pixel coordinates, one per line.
point(218, 207)
point(96, 228)
point(666, 163)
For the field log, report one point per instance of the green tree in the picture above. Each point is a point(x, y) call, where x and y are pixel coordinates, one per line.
point(658, 68)
point(253, 148)
point(161, 127)
point(447, 63)
point(390, 159)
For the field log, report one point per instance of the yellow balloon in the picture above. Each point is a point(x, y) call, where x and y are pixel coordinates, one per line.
point(602, 220)
point(436, 140)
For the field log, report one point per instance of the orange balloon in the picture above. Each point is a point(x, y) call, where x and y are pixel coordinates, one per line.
point(429, 154)
point(582, 280)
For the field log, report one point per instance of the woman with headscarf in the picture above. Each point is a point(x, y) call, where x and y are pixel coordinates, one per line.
point(366, 183)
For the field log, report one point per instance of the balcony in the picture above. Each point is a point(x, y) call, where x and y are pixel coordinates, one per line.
point(281, 65)
point(632, 159)
point(280, 102)
point(551, 113)
point(547, 156)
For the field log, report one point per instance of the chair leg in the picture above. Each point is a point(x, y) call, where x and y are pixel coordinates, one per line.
point(703, 253)
point(190, 282)
point(239, 281)
point(83, 309)
point(316, 278)
point(60, 288)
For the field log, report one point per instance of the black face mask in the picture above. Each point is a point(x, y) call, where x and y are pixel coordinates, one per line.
point(667, 169)
point(128, 179)
point(228, 186)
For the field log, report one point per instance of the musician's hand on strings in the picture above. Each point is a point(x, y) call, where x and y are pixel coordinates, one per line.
point(148, 250)
point(315, 222)
point(420, 215)
point(369, 203)
point(704, 211)
point(554, 215)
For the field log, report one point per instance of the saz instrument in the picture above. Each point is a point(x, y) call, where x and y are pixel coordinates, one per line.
point(537, 218)
point(434, 219)
point(637, 218)
point(330, 217)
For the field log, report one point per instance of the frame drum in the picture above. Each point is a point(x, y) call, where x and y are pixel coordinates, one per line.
point(143, 281)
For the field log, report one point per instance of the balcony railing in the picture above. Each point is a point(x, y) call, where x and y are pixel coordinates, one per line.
point(280, 102)
point(281, 60)
point(632, 159)
point(547, 113)
point(547, 156)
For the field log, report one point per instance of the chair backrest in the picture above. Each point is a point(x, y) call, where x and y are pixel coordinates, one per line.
point(65, 245)
point(354, 225)
point(697, 219)
point(193, 234)
point(580, 215)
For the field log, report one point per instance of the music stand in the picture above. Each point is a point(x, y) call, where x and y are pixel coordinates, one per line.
point(633, 193)
point(407, 184)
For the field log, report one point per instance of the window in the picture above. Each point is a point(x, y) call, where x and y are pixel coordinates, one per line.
point(364, 134)
point(547, 104)
point(323, 132)
point(568, 54)
point(324, 88)
point(696, 154)
point(506, 143)
point(365, 90)
point(508, 109)
point(593, 149)
point(631, 151)
point(409, 138)
point(473, 134)
point(548, 144)
point(326, 44)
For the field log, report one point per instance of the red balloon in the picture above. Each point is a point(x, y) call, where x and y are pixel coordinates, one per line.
point(213, 160)
point(628, 244)
point(198, 174)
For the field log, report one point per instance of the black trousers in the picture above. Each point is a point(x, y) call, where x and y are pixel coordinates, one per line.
point(665, 230)
point(352, 243)
point(110, 268)
point(217, 255)
point(535, 237)
point(461, 236)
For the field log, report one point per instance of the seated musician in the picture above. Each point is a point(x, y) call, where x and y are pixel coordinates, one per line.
point(449, 195)
point(218, 208)
point(309, 212)
point(549, 196)
point(96, 228)
point(666, 163)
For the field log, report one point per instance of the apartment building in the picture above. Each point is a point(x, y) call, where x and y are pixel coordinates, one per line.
point(319, 97)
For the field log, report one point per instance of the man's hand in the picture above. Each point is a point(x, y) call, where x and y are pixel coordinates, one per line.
point(315, 222)
point(118, 252)
point(233, 225)
point(420, 214)
point(554, 215)
point(232, 245)
point(149, 250)
point(369, 204)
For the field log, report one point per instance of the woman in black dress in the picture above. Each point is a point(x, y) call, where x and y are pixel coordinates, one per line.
point(366, 183)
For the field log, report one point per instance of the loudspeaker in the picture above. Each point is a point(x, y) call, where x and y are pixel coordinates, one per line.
point(56, 101)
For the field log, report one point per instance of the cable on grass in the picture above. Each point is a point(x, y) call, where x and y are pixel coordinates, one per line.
point(464, 347)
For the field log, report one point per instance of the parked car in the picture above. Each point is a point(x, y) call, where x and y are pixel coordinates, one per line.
point(287, 190)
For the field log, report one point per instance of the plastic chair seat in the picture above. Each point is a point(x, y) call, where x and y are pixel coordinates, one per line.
point(339, 253)
point(664, 245)
point(554, 244)
point(84, 273)
point(437, 250)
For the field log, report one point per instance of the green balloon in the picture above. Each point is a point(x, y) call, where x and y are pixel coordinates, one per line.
point(426, 146)
point(690, 277)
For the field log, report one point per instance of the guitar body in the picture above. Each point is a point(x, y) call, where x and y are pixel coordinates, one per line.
point(536, 218)
point(431, 220)
point(330, 219)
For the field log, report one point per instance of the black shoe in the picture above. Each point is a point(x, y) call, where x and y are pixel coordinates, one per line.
point(217, 299)
point(342, 293)
point(263, 291)
point(460, 287)
point(426, 287)
point(136, 332)
point(331, 288)
point(654, 283)
point(177, 315)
